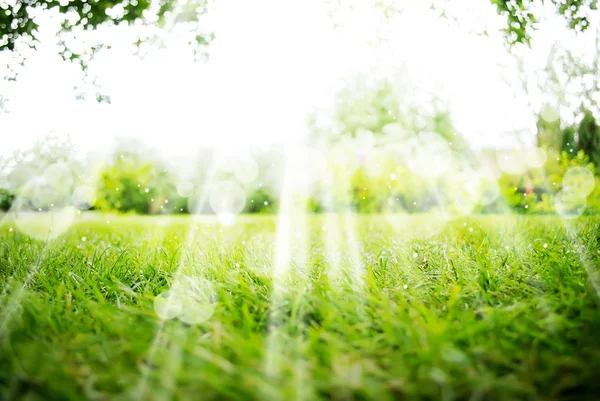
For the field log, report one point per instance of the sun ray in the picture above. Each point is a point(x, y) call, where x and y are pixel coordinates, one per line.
point(584, 257)
point(289, 269)
point(51, 220)
point(14, 300)
point(333, 254)
point(191, 247)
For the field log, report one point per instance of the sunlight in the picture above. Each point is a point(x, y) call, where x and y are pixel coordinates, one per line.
point(190, 298)
point(12, 308)
point(333, 249)
point(290, 250)
point(299, 200)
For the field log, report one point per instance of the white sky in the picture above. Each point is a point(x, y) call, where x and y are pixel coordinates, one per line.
point(271, 63)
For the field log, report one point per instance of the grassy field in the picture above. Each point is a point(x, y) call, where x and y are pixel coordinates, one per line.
point(333, 307)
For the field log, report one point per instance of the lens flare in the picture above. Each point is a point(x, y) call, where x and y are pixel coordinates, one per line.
point(196, 295)
point(486, 189)
point(43, 208)
point(578, 182)
point(427, 155)
point(569, 205)
point(246, 169)
point(307, 166)
point(185, 189)
point(550, 113)
point(59, 176)
point(535, 157)
point(167, 305)
point(190, 299)
point(512, 162)
point(44, 225)
point(227, 198)
point(84, 197)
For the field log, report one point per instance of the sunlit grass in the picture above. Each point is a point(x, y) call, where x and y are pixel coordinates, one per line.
point(495, 307)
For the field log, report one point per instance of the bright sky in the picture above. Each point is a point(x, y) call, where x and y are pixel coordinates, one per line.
point(271, 63)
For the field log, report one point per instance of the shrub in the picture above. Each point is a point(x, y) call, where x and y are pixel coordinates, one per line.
point(260, 201)
point(6, 199)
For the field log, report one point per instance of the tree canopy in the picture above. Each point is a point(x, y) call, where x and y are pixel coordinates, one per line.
point(523, 15)
point(17, 18)
point(387, 109)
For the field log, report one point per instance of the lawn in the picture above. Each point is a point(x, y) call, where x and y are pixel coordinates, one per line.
point(337, 307)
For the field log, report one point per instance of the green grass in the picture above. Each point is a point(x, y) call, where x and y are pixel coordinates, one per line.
point(484, 308)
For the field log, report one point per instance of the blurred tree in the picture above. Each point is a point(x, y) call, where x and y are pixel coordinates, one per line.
point(386, 109)
point(24, 164)
point(260, 200)
point(376, 127)
point(584, 137)
point(568, 144)
point(588, 137)
point(549, 134)
point(136, 181)
point(367, 105)
point(6, 199)
point(573, 79)
point(535, 190)
point(124, 185)
point(569, 85)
